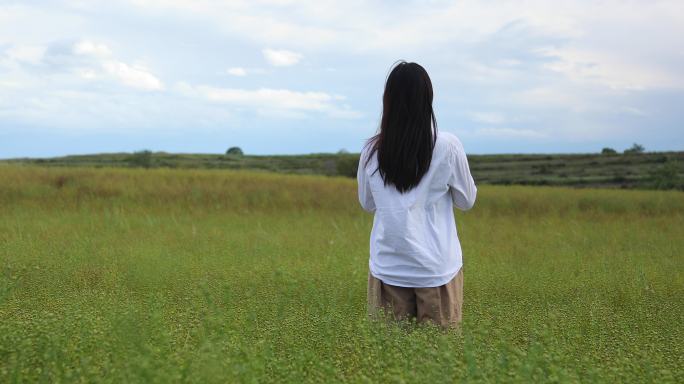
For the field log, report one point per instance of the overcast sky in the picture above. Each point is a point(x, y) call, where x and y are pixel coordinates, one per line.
point(279, 76)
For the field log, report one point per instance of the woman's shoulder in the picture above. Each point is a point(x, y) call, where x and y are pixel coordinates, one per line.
point(366, 156)
point(366, 148)
point(448, 138)
point(448, 142)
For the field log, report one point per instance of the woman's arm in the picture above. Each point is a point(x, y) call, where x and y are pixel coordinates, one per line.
point(461, 184)
point(365, 195)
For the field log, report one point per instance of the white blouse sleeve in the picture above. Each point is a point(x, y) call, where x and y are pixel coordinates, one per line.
point(365, 195)
point(461, 184)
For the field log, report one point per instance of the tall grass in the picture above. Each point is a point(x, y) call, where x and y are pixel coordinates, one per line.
point(212, 276)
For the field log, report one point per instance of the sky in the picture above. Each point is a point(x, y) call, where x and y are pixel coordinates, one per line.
point(290, 77)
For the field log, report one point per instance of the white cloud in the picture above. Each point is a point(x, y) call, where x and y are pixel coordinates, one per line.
point(488, 117)
point(32, 54)
point(88, 73)
point(633, 111)
point(133, 76)
point(267, 100)
point(552, 96)
point(90, 48)
point(66, 64)
point(578, 66)
point(510, 133)
point(237, 71)
point(281, 57)
point(590, 44)
point(609, 69)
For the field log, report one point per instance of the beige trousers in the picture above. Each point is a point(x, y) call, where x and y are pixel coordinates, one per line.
point(441, 305)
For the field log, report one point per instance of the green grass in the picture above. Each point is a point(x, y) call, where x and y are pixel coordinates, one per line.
point(115, 275)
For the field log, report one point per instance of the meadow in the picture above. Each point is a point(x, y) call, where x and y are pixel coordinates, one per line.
point(171, 275)
point(648, 170)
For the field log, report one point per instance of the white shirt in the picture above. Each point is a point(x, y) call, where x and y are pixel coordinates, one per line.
point(414, 241)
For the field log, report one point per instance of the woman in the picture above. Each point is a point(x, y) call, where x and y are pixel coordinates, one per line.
point(411, 176)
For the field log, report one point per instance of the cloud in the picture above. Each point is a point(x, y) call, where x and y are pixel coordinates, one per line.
point(488, 117)
point(135, 77)
point(281, 57)
point(575, 70)
point(553, 96)
point(510, 133)
point(237, 71)
point(31, 54)
point(608, 69)
point(270, 101)
point(90, 48)
point(633, 111)
point(104, 65)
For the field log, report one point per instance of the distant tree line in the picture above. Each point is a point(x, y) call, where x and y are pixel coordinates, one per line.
point(634, 149)
point(141, 159)
point(661, 172)
point(665, 176)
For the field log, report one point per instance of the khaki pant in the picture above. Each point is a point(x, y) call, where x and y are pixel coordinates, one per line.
point(441, 305)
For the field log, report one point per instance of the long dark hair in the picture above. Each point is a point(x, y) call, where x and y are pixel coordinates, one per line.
point(408, 128)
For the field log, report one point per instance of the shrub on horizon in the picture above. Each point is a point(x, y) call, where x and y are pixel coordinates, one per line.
point(234, 151)
point(634, 149)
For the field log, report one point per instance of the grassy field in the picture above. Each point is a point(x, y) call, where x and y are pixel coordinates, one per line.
point(653, 170)
point(120, 275)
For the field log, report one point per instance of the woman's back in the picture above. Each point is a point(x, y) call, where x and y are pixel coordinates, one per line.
point(411, 176)
point(414, 242)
